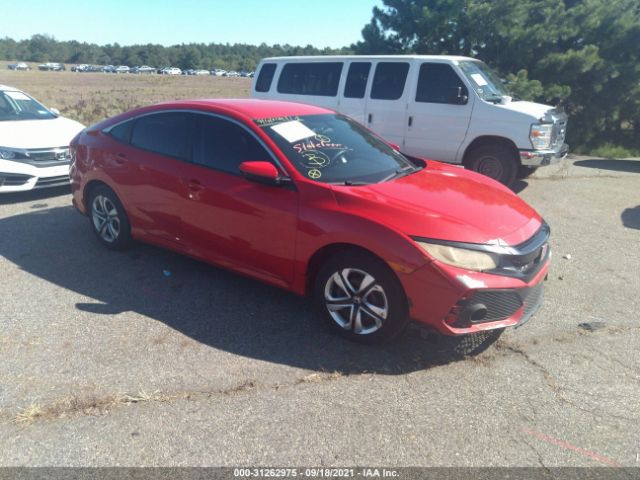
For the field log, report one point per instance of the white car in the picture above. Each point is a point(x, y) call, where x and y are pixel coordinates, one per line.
point(34, 143)
point(218, 72)
point(122, 69)
point(171, 71)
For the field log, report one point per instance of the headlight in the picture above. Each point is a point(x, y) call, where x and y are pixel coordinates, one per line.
point(541, 135)
point(6, 154)
point(461, 257)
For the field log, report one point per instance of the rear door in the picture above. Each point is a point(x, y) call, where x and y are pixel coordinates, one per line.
point(386, 108)
point(439, 113)
point(352, 101)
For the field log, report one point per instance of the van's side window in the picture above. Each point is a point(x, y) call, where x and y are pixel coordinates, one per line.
point(311, 78)
point(439, 83)
point(389, 80)
point(263, 84)
point(357, 79)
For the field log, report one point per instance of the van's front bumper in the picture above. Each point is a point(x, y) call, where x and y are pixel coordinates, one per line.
point(541, 158)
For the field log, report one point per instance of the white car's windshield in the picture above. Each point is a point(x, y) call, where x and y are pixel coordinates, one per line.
point(16, 105)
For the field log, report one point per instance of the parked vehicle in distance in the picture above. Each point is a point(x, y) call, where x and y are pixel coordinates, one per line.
point(81, 68)
point(109, 69)
point(231, 73)
point(122, 69)
point(171, 71)
point(21, 66)
point(452, 109)
point(143, 69)
point(201, 72)
point(309, 200)
point(34, 143)
point(52, 67)
point(218, 72)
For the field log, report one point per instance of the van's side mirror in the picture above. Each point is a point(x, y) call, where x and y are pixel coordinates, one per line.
point(459, 96)
point(263, 172)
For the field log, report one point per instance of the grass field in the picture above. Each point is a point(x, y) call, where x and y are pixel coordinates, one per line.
point(90, 97)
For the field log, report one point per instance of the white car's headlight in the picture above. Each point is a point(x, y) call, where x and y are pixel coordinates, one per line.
point(6, 154)
point(461, 257)
point(541, 135)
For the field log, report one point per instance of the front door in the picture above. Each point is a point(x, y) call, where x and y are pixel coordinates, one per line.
point(439, 113)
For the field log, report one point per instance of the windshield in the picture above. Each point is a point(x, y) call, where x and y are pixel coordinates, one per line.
point(332, 148)
point(484, 80)
point(19, 106)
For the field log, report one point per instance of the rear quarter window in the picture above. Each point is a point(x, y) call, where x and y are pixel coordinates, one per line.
point(316, 78)
point(163, 133)
point(265, 77)
point(122, 132)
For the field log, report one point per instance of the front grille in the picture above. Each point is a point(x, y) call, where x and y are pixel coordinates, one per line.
point(48, 157)
point(13, 180)
point(52, 181)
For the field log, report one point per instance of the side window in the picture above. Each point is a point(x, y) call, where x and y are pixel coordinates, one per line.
point(122, 132)
point(357, 79)
point(389, 80)
point(310, 78)
point(439, 83)
point(223, 145)
point(163, 133)
point(263, 83)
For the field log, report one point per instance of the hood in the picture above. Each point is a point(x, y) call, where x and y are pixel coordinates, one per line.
point(536, 110)
point(49, 133)
point(445, 203)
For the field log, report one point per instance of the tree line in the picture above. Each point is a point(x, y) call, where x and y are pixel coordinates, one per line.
point(44, 48)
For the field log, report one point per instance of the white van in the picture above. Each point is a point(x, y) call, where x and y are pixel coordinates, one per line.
point(452, 109)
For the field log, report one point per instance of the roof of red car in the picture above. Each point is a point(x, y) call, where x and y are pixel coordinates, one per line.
point(250, 107)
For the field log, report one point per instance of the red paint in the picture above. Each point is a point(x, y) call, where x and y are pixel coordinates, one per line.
point(271, 232)
point(561, 443)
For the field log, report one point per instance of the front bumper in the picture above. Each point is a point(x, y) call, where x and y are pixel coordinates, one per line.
point(20, 177)
point(541, 158)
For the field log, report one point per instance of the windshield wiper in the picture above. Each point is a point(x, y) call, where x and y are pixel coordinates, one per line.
point(350, 183)
point(401, 172)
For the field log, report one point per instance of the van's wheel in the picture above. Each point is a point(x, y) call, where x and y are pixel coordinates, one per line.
point(361, 298)
point(494, 161)
point(108, 219)
point(525, 171)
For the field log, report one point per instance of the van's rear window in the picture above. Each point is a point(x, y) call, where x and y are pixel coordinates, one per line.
point(310, 78)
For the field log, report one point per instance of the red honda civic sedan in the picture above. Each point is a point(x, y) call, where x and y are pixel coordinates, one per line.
point(308, 200)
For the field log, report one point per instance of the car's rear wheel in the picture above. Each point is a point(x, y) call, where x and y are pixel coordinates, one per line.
point(108, 218)
point(361, 298)
point(494, 161)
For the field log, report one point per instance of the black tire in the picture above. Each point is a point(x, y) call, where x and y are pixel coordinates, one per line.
point(495, 161)
point(524, 171)
point(361, 306)
point(105, 209)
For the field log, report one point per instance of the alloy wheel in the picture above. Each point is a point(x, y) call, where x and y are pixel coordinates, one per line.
point(356, 301)
point(105, 218)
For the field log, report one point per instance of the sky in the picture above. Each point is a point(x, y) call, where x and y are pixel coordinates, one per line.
point(321, 23)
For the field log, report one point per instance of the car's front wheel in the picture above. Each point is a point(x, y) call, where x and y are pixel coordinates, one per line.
point(361, 298)
point(108, 219)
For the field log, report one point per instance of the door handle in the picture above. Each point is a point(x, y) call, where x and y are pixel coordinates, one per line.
point(410, 120)
point(369, 118)
point(195, 185)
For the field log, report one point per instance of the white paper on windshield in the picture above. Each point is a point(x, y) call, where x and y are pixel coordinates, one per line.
point(293, 131)
point(17, 95)
point(479, 79)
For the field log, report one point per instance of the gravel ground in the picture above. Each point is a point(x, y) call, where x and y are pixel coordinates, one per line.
point(106, 361)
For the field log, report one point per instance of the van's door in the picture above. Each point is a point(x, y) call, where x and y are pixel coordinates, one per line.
point(439, 113)
point(352, 99)
point(386, 108)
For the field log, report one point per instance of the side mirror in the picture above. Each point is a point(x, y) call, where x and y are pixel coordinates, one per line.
point(55, 111)
point(263, 172)
point(459, 96)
